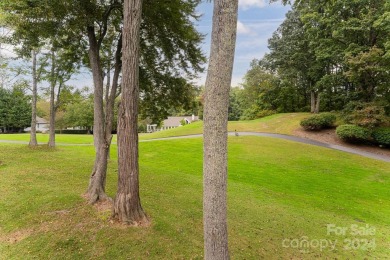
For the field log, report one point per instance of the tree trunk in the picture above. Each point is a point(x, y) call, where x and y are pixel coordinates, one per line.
point(33, 132)
point(312, 101)
point(111, 95)
point(215, 129)
point(52, 127)
point(96, 189)
point(127, 204)
point(317, 106)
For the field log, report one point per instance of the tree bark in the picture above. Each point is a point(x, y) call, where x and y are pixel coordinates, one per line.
point(96, 189)
point(127, 203)
point(52, 127)
point(111, 95)
point(215, 129)
point(314, 102)
point(33, 130)
point(317, 106)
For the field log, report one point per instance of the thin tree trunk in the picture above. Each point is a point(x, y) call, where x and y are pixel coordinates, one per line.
point(215, 129)
point(312, 101)
point(317, 106)
point(127, 203)
point(111, 95)
point(52, 128)
point(33, 132)
point(96, 188)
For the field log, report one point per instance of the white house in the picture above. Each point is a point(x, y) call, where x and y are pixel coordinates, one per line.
point(42, 125)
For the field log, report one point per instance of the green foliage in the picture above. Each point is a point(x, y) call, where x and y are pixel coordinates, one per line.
point(382, 136)
point(262, 94)
point(318, 122)
point(171, 55)
point(236, 103)
point(141, 128)
point(15, 109)
point(368, 115)
point(353, 133)
point(325, 47)
point(80, 114)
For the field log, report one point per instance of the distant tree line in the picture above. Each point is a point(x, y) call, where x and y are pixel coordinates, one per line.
point(325, 55)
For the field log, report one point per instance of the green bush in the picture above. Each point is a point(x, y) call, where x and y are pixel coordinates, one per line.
point(381, 136)
point(353, 133)
point(368, 115)
point(318, 122)
point(142, 128)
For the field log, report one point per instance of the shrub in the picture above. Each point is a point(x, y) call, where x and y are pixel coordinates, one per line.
point(142, 128)
point(353, 133)
point(382, 136)
point(369, 115)
point(318, 122)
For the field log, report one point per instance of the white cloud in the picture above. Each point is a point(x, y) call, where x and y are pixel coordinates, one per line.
point(243, 29)
point(246, 4)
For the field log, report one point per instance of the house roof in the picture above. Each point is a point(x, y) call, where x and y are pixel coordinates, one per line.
point(175, 120)
point(41, 120)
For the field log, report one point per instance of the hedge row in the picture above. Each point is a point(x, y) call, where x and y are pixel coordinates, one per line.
point(358, 134)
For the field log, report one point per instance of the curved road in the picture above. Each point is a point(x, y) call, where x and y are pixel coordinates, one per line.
point(279, 136)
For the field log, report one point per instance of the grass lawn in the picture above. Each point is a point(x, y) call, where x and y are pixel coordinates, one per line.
point(279, 123)
point(279, 191)
point(44, 138)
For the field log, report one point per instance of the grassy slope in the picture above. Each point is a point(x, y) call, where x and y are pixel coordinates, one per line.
point(277, 190)
point(279, 123)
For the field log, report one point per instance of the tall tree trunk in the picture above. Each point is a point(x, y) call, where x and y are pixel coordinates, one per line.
point(215, 129)
point(111, 95)
point(52, 127)
point(33, 132)
point(96, 188)
point(312, 101)
point(317, 106)
point(127, 203)
point(103, 122)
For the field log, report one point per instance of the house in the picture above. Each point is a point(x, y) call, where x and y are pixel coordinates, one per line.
point(42, 125)
point(173, 122)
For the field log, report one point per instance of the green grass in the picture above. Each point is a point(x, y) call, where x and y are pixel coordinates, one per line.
point(278, 123)
point(277, 190)
point(44, 138)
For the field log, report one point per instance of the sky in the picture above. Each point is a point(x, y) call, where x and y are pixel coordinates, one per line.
point(257, 20)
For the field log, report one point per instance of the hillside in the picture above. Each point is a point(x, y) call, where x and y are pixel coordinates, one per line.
point(284, 123)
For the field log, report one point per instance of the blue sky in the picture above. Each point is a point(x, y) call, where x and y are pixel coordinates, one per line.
point(257, 20)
